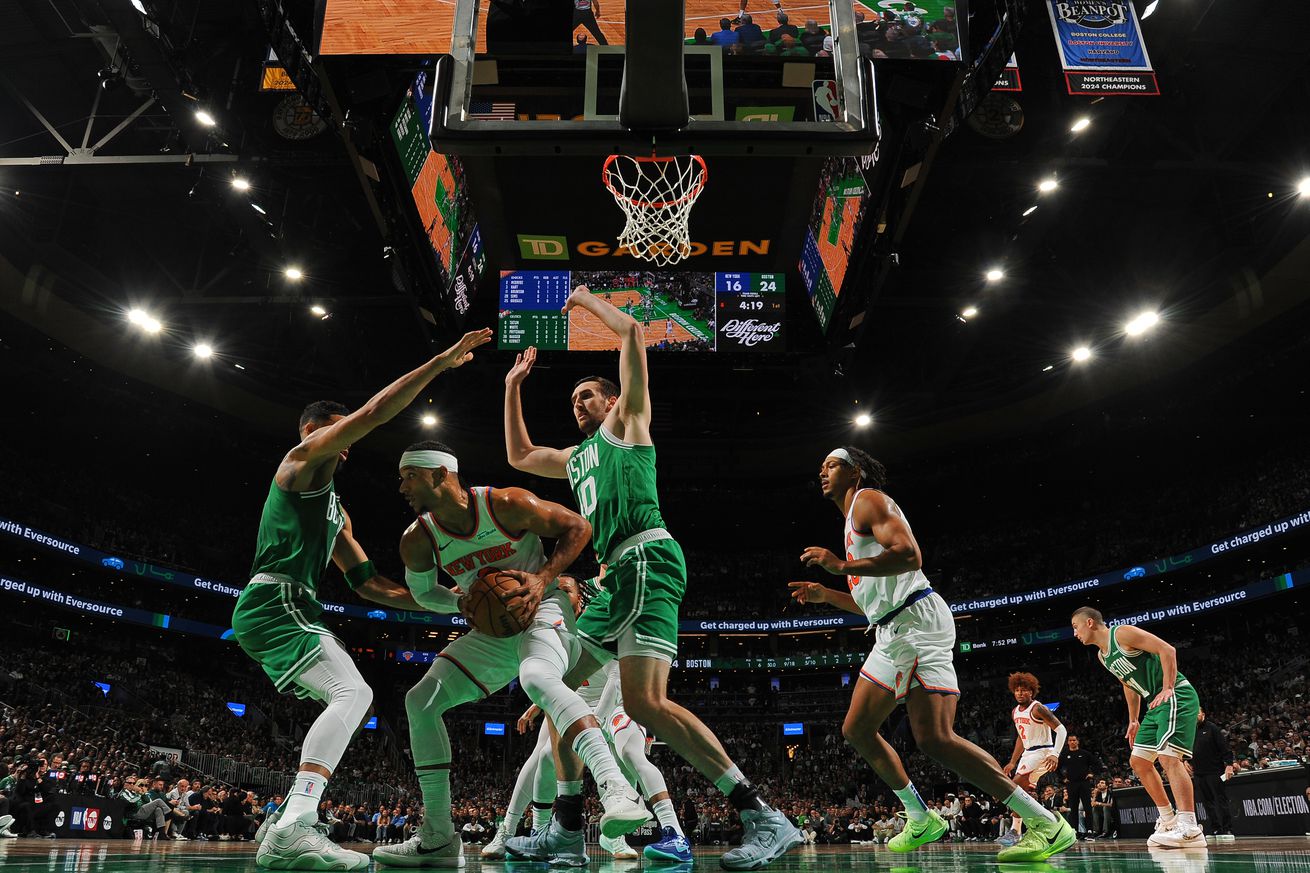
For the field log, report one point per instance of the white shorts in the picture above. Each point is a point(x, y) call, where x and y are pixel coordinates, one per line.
point(916, 649)
point(1032, 759)
point(491, 663)
point(619, 720)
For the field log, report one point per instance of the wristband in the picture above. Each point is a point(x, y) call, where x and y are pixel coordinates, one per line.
point(358, 575)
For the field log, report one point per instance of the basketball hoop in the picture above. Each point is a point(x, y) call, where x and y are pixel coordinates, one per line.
point(656, 196)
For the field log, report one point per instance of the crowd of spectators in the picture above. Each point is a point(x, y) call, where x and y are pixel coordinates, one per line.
point(898, 33)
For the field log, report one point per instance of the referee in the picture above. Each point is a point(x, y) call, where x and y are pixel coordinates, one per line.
point(1210, 758)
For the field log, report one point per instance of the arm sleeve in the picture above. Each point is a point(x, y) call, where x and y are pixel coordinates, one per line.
point(1061, 734)
point(428, 593)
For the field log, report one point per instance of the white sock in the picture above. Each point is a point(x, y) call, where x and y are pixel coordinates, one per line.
point(595, 753)
point(1186, 820)
point(435, 785)
point(540, 818)
point(568, 789)
point(667, 817)
point(1027, 808)
point(731, 778)
point(915, 809)
point(302, 801)
point(511, 822)
point(1166, 813)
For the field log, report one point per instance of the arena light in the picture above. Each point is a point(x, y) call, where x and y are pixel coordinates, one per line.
point(1303, 187)
point(139, 7)
point(203, 350)
point(151, 325)
point(995, 274)
point(1046, 186)
point(1082, 353)
point(1142, 323)
point(137, 316)
point(1150, 9)
point(205, 118)
point(863, 420)
point(428, 420)
point(969, 312)
point(240, 183)
point(261, 210)
point(294, 273)
point(1029, 211)
point(1080, 125)
point(318, 310)
point(1048, 368)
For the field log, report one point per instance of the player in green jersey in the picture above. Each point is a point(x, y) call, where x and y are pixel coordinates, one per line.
point(1147, 667)
point(612, 473)
point(276, 620)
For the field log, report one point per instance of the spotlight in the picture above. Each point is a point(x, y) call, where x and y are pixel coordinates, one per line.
point(995, 275)
point(151, 325)
point(110, 78)
point(258, 208)
point(1150, 9)
point(1029, 211)
point(1081, 124)
point(203, 350)
point(1303, 187)
point(1046, 186)
point(1082, 353)
point(1142, 323)
point(318, 310)
point(969, 312)
point(137, 316)
point(139, 7)
point(1048, 368)
point(205, 118)
point(294, 274)
point(240, 183)
point(429, 420)
point(863, 420)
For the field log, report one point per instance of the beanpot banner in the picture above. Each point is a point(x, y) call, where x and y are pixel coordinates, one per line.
point(1101, 48)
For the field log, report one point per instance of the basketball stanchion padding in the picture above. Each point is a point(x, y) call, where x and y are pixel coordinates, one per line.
point(656, 195)
point(486, 604)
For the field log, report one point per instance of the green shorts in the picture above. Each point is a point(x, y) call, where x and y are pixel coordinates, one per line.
point(636, 613)
point(1170, 728)
point(276, 623)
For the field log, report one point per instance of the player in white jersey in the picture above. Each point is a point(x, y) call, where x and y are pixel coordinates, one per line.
point(465, 531)
point(911, 658)
point(1038, 745)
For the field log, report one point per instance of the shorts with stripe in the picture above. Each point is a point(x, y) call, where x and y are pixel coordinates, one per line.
point(637, 612)
point(1032, 759)
point(1170, 728)
point(490, 663)
point(917, 648)
point(276, 622)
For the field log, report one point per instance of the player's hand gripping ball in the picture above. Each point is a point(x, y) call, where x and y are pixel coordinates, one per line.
point(486, 606)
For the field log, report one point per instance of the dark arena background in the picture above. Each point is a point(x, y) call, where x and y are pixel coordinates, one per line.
point(1047, 262)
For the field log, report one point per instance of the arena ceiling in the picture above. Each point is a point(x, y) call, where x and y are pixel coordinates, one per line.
point(1184, 204)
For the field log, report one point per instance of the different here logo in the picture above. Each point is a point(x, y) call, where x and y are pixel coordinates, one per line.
point(59, 818)
point(543, 248)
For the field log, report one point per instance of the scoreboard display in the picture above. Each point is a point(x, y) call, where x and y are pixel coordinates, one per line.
point(678, 311)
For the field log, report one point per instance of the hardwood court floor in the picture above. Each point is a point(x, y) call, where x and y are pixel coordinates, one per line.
point(588, 333)
point(423, 27)
point(1263, 854)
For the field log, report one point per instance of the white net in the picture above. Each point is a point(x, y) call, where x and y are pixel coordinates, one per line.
point(656, 196)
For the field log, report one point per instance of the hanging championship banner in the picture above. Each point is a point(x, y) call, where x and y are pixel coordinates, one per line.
point(1101, 48)
point(1009, 78)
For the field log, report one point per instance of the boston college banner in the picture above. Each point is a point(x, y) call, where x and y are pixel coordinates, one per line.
point(1101, 48)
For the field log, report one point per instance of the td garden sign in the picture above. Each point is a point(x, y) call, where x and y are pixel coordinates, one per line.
point(556, 248)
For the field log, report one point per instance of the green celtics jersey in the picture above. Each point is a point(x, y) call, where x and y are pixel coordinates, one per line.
point(296, 533)
point(1140, 671)
point(614, 484)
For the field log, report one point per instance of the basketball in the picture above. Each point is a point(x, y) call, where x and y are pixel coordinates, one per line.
point(486, 604)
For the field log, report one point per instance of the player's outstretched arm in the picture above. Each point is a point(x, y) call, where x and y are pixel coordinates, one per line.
point(521, 510)
point(813, 592)
point(351, 560)
point(523, 454)
point(634, 387)
point(326, 442)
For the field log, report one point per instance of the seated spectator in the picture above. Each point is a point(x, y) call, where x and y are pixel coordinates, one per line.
point(826, 51)
point(812, 37)
point(791, 48)
point(725, 36)
point(784, 28)
point(141, 808)
point(700, 37)
point(580, 47)
point(749, 34)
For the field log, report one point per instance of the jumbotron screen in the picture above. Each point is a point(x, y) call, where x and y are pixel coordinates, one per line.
point(678, 311)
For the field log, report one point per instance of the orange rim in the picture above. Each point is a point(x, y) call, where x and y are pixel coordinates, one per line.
point(660, 204)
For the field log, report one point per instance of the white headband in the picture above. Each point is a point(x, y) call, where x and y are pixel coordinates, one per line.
point(430, 459)
point(842, 455)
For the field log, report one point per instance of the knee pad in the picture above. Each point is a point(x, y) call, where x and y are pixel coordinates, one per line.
point(545, 687)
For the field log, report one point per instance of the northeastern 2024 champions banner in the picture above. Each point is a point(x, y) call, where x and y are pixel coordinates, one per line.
point(1101, 48)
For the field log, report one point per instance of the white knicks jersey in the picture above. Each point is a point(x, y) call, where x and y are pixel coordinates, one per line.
point(877, 595)
point(489, 545)
point(1032, 733)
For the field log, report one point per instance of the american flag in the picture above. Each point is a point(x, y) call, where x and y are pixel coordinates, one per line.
point(487, 110)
